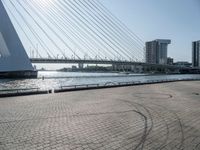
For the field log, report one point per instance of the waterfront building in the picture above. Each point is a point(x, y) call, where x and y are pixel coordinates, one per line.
point(196, 54)
point(183, 64)
point(156, 51)
point(170, 61)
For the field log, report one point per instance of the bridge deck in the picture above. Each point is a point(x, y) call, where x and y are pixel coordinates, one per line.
point(160, 116)
point(111, 62)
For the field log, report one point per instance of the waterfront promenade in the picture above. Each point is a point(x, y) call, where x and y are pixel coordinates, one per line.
point(157, 116)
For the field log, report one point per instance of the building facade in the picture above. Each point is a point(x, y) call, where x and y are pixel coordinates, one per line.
point(156, 51)
point(196, 54)
point(183, 64)
point(170, 61)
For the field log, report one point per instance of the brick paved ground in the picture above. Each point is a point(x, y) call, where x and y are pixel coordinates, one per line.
point(160, 116)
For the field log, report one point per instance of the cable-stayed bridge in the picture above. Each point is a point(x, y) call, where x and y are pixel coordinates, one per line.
point(74, 28)
point(66, 31)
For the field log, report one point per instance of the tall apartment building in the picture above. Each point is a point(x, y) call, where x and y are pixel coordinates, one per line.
point(196, 54)
point(156, 51)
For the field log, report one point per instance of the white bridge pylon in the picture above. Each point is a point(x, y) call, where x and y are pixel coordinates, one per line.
point(13, 56)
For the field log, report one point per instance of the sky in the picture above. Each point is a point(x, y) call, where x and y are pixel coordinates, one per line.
point(178, 20)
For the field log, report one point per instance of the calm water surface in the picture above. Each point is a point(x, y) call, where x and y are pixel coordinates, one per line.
point(57, 79)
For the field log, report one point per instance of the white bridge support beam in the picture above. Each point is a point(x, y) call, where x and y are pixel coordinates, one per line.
point(14, 60)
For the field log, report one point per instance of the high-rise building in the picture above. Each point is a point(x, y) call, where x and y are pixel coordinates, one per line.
point(196, 54)
point(156, 51)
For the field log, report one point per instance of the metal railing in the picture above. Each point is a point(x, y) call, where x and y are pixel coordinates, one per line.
point(29, 91)
point(119, 84)
point(79, 86)
point(19, 90)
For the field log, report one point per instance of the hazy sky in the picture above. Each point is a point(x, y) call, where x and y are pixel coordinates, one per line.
point(178, 20)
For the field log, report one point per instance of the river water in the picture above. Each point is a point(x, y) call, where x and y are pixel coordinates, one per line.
point(54, 80)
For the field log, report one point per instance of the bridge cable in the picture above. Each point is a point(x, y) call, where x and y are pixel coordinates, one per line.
point(102, 30)
point(87, 24)
point(12, 15)
point(107, 28)
point(120, 23)
point(46, 32)
point(32, 18)
point(112, 26)
point(30, 28)
point(122, 27)
point(84, 26)
point(85, 34)
point(49, 19)
point(56, 19)
point(93, 21)
point(98, 29)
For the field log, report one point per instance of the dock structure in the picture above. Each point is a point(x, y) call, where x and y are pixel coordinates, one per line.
point(157, 116)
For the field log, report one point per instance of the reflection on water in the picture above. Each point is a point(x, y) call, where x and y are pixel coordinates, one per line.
point(57, 79)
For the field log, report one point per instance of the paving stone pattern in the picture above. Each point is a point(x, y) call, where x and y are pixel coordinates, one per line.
point(160, 116)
